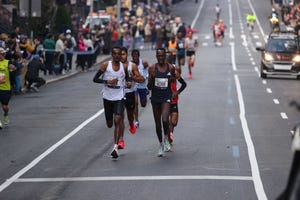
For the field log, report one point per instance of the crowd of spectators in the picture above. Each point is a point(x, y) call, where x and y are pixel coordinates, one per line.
point(290, 14)
point(144, 24)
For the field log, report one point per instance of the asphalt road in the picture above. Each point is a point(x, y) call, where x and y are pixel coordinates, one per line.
point(232, 141)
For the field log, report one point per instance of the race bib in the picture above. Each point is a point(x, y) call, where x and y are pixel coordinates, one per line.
point(2, 78)
point(180, 45)
point(161, 83)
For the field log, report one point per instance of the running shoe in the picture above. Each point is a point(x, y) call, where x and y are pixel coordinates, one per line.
point(114, 153)
point(137, 124)
point(167, 146)
point(5, 120)
point(190, 75)
point(170, 137)
point(132, 129)
point(121, 144)
point(160, 151)
point(0, 125)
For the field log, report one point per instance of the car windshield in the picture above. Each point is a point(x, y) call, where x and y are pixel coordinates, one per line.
point(99, 21)
point(282, 45)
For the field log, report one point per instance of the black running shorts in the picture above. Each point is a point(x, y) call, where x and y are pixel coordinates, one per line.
point(190, 53)
point(130, 100)
point(113, 107)
point(5, 96)
point(174, 108)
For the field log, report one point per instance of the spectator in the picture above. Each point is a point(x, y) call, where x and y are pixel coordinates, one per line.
point(60, 56)
point(49, 45)
point(19, 64)
point(82, 48)
point(127, 41)
point(32, 74)
point(70, 44)
point(90, 48)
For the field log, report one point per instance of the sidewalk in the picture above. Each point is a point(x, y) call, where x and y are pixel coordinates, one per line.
point(52, 78)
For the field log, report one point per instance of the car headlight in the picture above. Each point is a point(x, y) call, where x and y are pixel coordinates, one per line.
point(268, 57)
point(296, 58)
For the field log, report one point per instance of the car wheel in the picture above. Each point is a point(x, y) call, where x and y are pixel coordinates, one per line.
point(262, 74)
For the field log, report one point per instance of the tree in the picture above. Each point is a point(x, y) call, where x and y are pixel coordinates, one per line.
point(63, 19)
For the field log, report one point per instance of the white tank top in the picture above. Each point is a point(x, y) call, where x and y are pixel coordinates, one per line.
point(190, 44)
point(144, 73)
point(133, 85)
point(114, 92)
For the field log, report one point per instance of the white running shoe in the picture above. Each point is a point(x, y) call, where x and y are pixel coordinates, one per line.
point(5, 120)
point(167, 146)
point(137, 124)
point(160, 152)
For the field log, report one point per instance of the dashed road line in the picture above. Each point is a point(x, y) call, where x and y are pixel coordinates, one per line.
point(283, 115)
point(269, 90)
point(276, 101)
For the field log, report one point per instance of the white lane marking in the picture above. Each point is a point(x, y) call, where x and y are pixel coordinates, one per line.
point(258, 44)
point(207, 37)
point(205, 44)
point(276, 101)
point(198, 14)
point(264, 82)
point(269, 90)
point(256, 36)
point(133, 178)
point(231, 36)
point(283, 115)
point(230, 14)
point(253, 63)
point(245, 43)
point(259, 188)
point(33, 163)
point(233, 56)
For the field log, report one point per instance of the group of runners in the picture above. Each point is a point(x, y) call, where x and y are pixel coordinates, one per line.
point(125, 82)
point(182, 46)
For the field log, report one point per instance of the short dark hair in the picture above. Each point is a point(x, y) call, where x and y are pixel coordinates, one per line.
point(115, 47)
point(135, 51)
point(161, 49)
point(124, 49)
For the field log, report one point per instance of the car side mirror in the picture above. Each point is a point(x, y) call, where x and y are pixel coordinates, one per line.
point(260, 49)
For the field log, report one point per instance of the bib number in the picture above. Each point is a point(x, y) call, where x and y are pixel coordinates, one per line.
point(161, 83)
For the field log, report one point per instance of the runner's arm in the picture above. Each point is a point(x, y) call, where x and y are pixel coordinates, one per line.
point(151, 77)
point(183, 85)
point(98, 78)
point(180, 80)
point(137, 77)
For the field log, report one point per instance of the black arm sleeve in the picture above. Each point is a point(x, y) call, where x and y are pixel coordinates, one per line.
point(183, 85)
point(97, 78)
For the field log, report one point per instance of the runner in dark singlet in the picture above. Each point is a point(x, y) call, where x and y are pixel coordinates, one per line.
point(159, 82)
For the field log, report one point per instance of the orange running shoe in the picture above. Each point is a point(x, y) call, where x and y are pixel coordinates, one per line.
point(190, 75)
point(121, 144)
point(132, 129)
